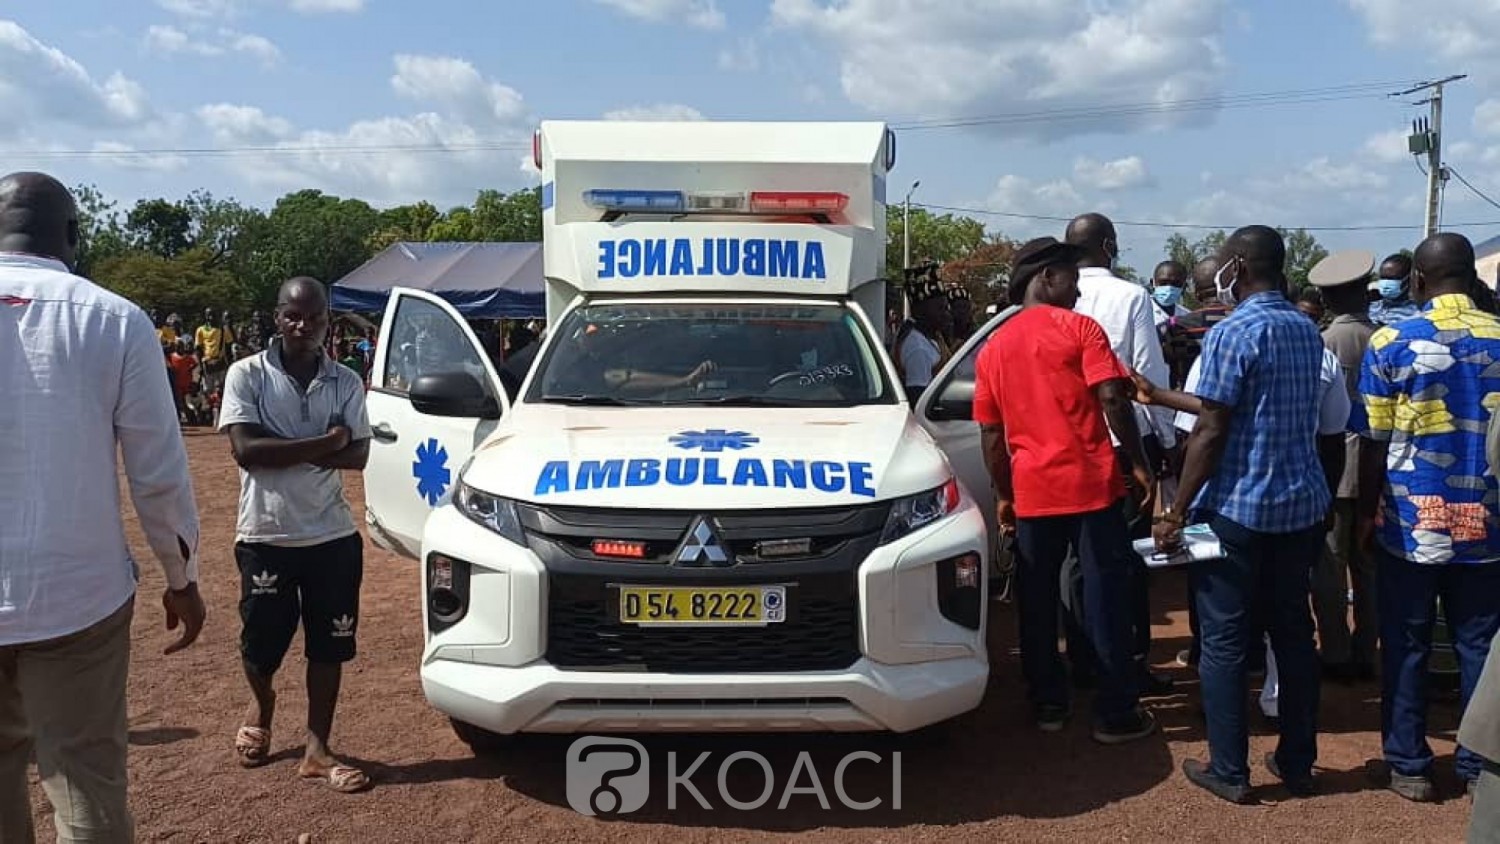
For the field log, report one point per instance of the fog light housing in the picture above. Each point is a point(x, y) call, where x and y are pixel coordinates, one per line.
point(960, 589)
point(447, 591)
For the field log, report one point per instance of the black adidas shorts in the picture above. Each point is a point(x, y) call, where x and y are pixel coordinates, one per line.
point(317, 584)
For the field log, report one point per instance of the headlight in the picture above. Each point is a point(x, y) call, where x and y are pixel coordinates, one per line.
point(496, 513)
point(917, 511)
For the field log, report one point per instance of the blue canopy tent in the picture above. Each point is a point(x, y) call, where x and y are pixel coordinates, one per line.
point(481, 280)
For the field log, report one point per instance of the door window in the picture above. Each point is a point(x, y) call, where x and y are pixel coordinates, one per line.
point(953, 394)
point(426, 341)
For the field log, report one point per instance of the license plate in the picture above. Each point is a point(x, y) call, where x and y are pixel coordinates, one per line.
point(663, 606)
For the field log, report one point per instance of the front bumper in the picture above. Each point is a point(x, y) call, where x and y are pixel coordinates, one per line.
point(909, 665)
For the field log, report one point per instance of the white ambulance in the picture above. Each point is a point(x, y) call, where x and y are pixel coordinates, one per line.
point(710, 507)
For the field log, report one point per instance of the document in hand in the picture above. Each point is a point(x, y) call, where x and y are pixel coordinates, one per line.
point(1198, 543)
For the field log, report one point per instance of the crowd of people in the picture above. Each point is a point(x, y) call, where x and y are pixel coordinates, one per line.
point(1351, 446)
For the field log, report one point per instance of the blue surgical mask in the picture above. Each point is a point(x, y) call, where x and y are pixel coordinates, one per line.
point(1167, 296)
point(1390, 288)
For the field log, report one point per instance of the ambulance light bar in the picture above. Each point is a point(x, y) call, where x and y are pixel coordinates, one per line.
point(757, 202)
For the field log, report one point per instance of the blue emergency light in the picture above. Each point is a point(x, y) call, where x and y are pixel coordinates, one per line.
point(639, 201)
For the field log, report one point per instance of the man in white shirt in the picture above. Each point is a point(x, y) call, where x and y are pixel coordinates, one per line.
point(1125, 310)
point(80, 376)
point(921, 350)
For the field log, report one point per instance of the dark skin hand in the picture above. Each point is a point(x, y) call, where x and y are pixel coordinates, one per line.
point(1205, 446)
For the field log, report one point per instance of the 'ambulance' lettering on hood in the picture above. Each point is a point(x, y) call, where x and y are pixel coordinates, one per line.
point(712, 256)
point(823, 475)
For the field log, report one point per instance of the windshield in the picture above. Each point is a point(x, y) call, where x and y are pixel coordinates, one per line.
point(661, 353)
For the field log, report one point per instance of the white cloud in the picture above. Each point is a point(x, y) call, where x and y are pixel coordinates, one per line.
point(1119, 174)
point(467, 135)
point(1020, 195)
point(703, 14)
point(1454, 30)
point(1487, 118)
point(169, 40)
point(314, 7)
point(57, 90)
point(1386, 147)
point(127, 157)
point(944, 59)
point(662, 111)
point(457, 85)
point(743, 56)
point(202, 9)
point(1321, 176)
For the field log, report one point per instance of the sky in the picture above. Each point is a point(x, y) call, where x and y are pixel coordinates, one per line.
point(1185, 115)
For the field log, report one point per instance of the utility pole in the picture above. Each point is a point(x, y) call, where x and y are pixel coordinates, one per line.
point(906, 227)
point(1427, 138)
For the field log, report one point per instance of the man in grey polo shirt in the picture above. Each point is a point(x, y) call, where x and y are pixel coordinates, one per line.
point(295, 418)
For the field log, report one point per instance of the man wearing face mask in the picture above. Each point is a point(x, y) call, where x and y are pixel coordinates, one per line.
point(1394, 287)
point(1267, 448)
point(1125, 310)
point(1167, 284)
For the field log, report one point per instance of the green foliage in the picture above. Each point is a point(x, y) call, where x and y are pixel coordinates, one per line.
point(101, 235)
point(1303, 252)
point(186, 283)
point(159, 227)
point(494, 217)
point(938, 238)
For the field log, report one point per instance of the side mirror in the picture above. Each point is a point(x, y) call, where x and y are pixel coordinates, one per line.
point(956, 404)
point(452, 394)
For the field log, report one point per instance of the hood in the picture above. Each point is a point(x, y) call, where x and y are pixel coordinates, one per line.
point(695, 457)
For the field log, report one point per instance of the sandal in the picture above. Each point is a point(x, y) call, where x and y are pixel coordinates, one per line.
point(345, 779)
point(253, 744)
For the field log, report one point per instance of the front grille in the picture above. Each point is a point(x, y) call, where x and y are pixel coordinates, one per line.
point(821, 632)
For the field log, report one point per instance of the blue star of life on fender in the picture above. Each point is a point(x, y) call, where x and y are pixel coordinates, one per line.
point(431, 470)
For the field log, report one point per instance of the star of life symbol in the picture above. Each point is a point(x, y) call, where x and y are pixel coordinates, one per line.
point(343, 627)
point(264, 583)
point(431, 471)
point(702, 547)
point(713, 440)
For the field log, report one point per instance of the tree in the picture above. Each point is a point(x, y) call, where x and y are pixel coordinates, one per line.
point(494, 217)
point(941, 239)
point(1303, 252)
point(187, 283)
point(1187, 253)
point(983, 270)
point(309, 233)
point(159, 227)
point(405, 223)
point(100, 234)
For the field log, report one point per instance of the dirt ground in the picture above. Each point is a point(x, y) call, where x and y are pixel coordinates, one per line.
point(994, 777)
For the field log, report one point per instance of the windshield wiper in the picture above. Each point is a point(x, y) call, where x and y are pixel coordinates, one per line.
point(752, 400)
point(596, 401)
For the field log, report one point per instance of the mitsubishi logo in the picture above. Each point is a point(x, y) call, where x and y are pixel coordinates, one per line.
point(702, 547)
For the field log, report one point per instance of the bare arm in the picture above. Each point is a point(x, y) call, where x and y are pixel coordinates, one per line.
point(1115, 396)
point(1372, 477)
point(1331, 454)
point(352, 456)
point(256, 448)
point(1205, 446)
point(997, 458)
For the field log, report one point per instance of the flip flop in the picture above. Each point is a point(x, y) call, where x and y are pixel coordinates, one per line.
point(253, 745)
point(345, 779)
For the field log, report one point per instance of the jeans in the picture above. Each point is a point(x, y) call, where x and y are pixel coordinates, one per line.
point(1408, 595)
point(1099, 538)
point(1275, 571)
point(1344, 566)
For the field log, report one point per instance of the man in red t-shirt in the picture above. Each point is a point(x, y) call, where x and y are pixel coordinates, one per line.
point(1044, 386)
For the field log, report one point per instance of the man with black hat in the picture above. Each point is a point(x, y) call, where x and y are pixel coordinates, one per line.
point(1344, 277)
point(961, 306)
point(1044, 386)
point(920, 349)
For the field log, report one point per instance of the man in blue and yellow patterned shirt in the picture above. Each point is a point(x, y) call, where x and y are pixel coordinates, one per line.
point(1430, 384)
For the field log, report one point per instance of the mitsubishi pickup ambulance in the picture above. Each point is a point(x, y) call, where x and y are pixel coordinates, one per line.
point(710, 506)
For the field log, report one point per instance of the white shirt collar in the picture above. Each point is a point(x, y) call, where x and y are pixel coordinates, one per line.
point(1097, 272)
point(30, 260)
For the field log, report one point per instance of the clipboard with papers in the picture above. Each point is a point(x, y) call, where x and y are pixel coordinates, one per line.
point(1199, 542)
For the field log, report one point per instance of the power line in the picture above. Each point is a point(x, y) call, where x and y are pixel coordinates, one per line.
point(1204, 226)
point(212, 152)
point(1355, 91)
point(1477, 192)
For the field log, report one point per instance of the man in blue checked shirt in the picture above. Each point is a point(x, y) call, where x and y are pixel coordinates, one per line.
point(1258, 468)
